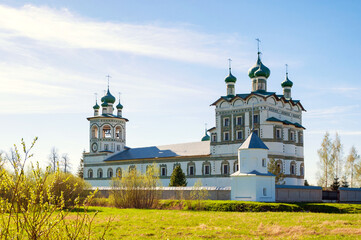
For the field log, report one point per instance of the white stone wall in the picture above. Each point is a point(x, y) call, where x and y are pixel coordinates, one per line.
point(266, 108)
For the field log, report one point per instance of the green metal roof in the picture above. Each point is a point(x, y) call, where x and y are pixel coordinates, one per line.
point(96, 106)
point(109, 98)
point(206, 136)
point(273, 119)
point(287, 82)
point(119, 106)
point(230, 78)
point(261, 69)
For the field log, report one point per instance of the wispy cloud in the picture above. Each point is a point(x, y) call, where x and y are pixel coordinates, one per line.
point(62, 28)
point(50, 59)
point(332, 111)
point(333, 131)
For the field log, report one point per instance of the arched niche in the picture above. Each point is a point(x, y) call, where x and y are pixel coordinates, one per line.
point(238, 102)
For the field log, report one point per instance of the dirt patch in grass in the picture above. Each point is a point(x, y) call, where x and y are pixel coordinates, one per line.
point(346, 231)
point(274, 230)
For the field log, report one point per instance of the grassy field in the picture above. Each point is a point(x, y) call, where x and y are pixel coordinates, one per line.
point(180, 224)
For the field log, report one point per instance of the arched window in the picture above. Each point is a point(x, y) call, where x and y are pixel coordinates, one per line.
point(191, 169)
point(163, 170)
point(90, 173)
point(110, 173)
point(293, 168)
point(264, 192)
point(100, 173)
point(119, 172)
point(107, 131)
point(225, 168)
point(235, 166)
point(94, 132)
point(118, 132)
point(302, 169)
point(206, 168)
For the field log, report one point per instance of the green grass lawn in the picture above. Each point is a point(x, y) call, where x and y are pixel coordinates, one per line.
point(180, 224)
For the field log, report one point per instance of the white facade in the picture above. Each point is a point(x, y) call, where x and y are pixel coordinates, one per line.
point(253, 182)
point(277, 121)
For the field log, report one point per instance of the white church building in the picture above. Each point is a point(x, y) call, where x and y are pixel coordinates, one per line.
point(275, 118)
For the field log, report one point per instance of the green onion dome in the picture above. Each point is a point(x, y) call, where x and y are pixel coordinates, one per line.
point(287, 82)
point(96, 106)
point(206, 137)
point(105, 104)
point(230, 78)
point(119, 106)
point(108, 98)
point(262, 70)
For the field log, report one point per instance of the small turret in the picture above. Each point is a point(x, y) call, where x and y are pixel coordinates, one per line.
point(287, 85)
point(230, 81)
point(96, 109)
point(119, 108)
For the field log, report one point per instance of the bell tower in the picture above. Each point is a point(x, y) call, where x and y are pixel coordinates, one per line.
point(107, 131)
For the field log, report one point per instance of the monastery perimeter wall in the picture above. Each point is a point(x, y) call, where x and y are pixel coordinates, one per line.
point(284, 193)
point(350, 195)
point(290, 193)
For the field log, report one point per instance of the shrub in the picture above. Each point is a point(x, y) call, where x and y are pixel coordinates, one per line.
point(30, 210)
point(101, 202)
point(199, 194)
point(239, 206)
point(71, 187)
point(136, 190)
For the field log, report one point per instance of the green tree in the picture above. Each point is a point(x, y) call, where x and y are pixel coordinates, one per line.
point(80, 172)
point(325, 163)
point(336, 184)
point(274, 168)
point(344, 182)
point(178, 178)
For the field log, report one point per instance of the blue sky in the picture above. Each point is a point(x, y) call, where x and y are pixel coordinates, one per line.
point(169, 60)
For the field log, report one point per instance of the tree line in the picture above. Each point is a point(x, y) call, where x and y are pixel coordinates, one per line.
point(335, 169)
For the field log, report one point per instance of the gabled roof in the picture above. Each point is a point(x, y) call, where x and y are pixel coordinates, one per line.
point(166, 151)
point(273, 119)
point(253, 141)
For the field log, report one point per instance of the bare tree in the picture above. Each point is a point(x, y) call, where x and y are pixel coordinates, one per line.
point(352, 165)
point(336, 156)
point(65, 162)
point(326, 162)
point(54, 159)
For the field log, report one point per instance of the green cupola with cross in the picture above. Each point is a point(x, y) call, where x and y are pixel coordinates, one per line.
point(259, 74)
point(287, 86)
point(230, 81)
